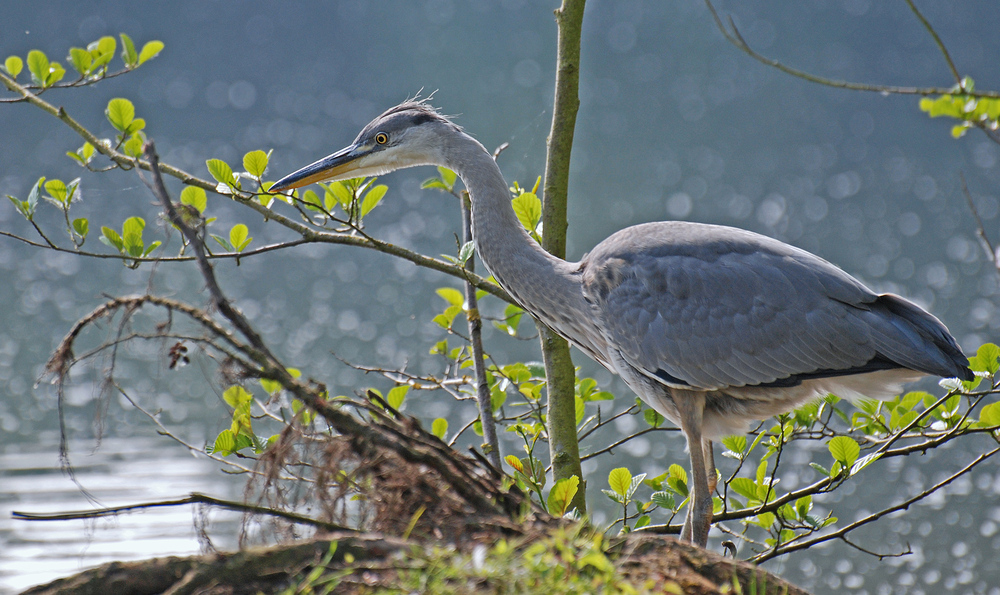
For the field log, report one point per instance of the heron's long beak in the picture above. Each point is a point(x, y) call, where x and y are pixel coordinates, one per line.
point(338, 165)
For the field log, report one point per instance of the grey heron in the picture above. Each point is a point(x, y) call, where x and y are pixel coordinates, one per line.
point(713, 327)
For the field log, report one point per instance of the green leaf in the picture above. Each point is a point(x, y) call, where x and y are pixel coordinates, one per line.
point(620, 480)
point(528, 209)
point(223, 242)
point(452, 296)
point(515, 463)
point(433, 183)
point(255, 162)
point(133, 244)
point(133, 225)
point(396, 396)
point(129, 55)
point(736, 444)
point(225, 443)
point(151, 247)
point(663, 500)
point(561, 496)
point(81, 226)
point(678, 472)
point(466, 252)
point(21, 206)
point(762, 472)
point(990, 415)
point(614, 496)
point(498, 397)
point(744, 486)
point(864, 462)
point(440, 427)
point(111, 238)
point(447, 176)
point(103, 50)
point(372, 198)
point(238, 237)
point(634, 484)
point(150, 50)
point(221, 171)
point(802, 506)
point(38, 65)
point(81, 60)
point(822, 470)
point(337, 193)
point(57, 190)
point(844, 449)
point(84, 154)
point(133, 146)
point(120, 113)
point(56, 72)
point(271, 387)
point(194, 196)
point(312, 200)
point(13, 65)
point(236, 396)
point(985, 359)
point(653, 418)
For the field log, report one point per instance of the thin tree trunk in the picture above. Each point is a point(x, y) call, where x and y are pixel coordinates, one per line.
point(564, 448)
point(490, 443)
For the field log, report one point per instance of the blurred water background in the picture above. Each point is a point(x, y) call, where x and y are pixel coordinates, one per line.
point(674, 124)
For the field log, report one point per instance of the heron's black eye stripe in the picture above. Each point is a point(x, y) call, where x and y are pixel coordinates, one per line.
point(381, 138)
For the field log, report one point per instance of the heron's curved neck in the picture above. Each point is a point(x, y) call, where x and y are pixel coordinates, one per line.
point(543, 284)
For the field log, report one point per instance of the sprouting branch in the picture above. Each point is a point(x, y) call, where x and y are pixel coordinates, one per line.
point(82, 81)
point(307, 233)
point(840, 533)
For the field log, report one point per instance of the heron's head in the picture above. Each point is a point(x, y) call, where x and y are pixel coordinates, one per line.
point(410, 134)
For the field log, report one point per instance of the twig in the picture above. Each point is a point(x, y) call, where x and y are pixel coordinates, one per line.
point(937, 40)
point(615, 445)
point(991, 252)
point(840, 533)
point(734, 37)
point(194, 498)
point(483, 396)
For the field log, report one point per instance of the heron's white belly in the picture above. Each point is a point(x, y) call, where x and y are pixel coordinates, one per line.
point(733, 410)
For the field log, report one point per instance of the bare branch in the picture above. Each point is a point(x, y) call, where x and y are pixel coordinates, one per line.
point(937, 40)
point(732, 34)
point(483, 397)
point(991, 252)
point(194, 498)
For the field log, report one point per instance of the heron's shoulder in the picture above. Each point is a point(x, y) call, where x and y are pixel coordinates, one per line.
point(682, 238)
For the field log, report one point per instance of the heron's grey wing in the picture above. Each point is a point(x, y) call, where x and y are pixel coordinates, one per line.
point(712, 307)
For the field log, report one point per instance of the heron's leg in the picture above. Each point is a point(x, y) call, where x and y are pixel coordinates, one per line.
point(713, 475)
point(713, 478)
point(691, 407)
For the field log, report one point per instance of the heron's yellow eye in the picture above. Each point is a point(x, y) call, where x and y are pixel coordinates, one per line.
point(381, 138)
